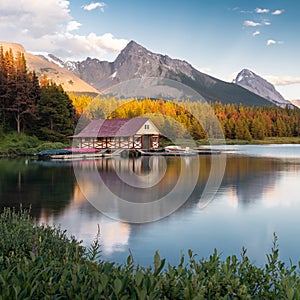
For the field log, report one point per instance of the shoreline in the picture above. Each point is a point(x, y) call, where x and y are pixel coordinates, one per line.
point(272, 141)
point(21, 148)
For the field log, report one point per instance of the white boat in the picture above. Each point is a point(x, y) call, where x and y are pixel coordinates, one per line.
point(177, 149)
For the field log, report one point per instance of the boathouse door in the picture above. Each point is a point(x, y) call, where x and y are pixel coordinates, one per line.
point(146, 142)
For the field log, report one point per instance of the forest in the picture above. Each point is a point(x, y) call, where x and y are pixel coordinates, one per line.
point(200, 120)
point(43, 109)
point(30, 106)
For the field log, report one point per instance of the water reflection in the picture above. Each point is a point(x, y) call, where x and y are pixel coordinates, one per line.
point(82, 220)
point(137, 190)
point(258, 196)
point(249, 178)
point(49, 189)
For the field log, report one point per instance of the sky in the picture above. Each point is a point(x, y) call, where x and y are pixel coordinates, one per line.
point(217, 37)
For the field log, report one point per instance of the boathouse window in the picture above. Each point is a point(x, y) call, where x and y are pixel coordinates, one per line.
point(146, 126)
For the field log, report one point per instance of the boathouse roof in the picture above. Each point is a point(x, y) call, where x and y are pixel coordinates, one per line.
point(112, 128)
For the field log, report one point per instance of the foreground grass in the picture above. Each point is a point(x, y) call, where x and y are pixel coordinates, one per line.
point(41, 262)
point(14, 144)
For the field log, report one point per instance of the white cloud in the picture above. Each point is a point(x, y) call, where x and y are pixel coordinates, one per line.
point(92, 44)
point(273, 42)
point(246, 11)
point(277, 12)
point(94, 5)
point(238, 9)
point(49, 26)
point(282, 80)
point(38, 18)
point(262, 10)
point(73, 25)
point(251, 23)
point(77, 47)
point(256, 33)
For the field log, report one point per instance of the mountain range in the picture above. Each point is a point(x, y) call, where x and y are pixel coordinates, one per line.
point(135, 61)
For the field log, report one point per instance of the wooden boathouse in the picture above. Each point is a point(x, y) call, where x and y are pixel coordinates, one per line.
point(135, 134)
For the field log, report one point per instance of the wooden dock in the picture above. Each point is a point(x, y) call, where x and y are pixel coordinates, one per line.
point(68, 155)
point(63, 154)
point(179, 153)
point(173, 153)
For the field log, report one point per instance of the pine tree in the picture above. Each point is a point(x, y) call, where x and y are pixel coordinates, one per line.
point(22, 105)
point(3, 89)
point(56, 113)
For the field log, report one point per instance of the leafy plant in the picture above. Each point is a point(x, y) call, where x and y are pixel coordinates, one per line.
point(41, 262)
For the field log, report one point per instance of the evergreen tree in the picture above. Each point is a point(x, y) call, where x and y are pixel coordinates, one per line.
point(56, 113)
point(3, 89)
point(10, 87)
point(22, 105)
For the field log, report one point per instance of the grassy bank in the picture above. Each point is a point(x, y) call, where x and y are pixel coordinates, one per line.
point(41, 262)
point(14, 144)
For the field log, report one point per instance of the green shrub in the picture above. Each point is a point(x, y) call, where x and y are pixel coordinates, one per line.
point(50, 146)
point(41, 262)
point(14, 144)
point(19, 237)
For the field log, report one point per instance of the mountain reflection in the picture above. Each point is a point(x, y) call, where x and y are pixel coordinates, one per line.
point(246, 180)
point(251, 177)
point(50, 188)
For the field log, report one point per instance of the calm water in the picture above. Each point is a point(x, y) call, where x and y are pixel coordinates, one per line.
point(259, 195)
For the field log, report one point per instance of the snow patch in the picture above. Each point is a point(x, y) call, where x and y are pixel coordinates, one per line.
point(71, 66)
point(114, 74)
point(240, 78)
point(49, 57)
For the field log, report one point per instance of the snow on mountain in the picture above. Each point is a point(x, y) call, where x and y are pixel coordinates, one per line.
point(260, 86)
point(50, 58)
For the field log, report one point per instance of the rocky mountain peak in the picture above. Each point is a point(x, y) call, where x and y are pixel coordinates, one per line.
point(133, 50)
point(258, 85)
point(134, 46)
point(245, 74)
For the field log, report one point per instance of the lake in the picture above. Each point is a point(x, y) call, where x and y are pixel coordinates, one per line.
point(171, 204)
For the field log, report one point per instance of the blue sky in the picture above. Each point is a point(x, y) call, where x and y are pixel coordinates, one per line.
point(218, 37)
